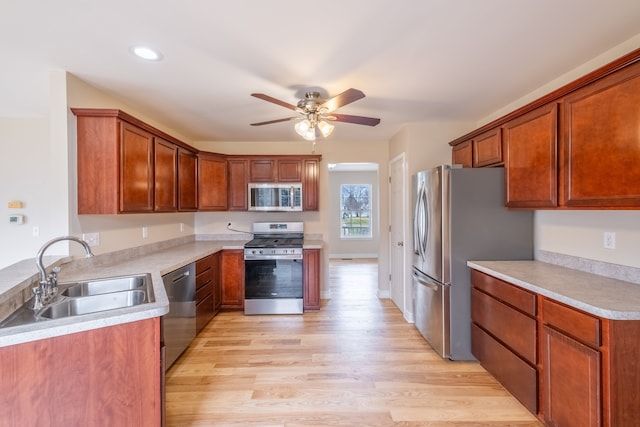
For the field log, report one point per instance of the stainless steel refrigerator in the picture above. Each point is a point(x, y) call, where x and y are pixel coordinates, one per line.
point(459, 215)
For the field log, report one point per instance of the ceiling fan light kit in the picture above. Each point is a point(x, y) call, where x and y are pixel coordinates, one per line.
point(316, 113)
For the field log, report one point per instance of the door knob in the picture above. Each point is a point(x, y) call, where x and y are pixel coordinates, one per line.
point(400, 243)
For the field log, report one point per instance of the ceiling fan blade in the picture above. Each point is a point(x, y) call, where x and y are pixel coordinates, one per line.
point(274, 100)
point(346, 97)
point(359, 120)
point(274, 121)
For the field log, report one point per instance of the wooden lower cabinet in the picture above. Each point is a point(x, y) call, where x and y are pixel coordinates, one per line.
point(204, 292)
point(504, 335)
point(311, 291)
point(103, 377)
point(587, 373)
point(572, 381)
point(232, 266)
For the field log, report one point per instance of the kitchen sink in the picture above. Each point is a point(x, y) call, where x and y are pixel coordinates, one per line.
point(103, 286)
point(86, 297)
point(92, 304)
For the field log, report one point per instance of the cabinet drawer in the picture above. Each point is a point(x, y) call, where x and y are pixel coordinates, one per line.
point(204, 264)
point(514, 374)
point(521, 299)
point(204, 313)
point(516, 330)
point(581, 326)
point(203, 291)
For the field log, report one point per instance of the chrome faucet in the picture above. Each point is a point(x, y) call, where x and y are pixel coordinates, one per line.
point(48, 286)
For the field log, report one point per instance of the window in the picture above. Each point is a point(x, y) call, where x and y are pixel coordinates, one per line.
point(355, 211)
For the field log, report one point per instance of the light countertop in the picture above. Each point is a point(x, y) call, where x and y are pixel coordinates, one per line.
point(157, 263)
point(602, 296)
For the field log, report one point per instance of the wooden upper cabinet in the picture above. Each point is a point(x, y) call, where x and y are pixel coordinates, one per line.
point(531, 159)
point(187, 180)
point(602, 142)
point(289, 170)
point(165, 173)
point(462, 154)
point(487, 148)
point(212, 182)
point(238, 181)
point(262, 170)
point(275, 169)
point(136, 169)
point(310, 185)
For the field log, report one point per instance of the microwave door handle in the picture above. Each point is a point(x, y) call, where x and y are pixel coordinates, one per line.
point(291, 197)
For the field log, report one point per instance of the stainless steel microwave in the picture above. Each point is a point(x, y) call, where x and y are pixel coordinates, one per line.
point(272, 197)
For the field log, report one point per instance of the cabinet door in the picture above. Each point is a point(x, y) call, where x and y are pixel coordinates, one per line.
point(187, 180)
point(212, 183)
point(289, 170)
point(602, 142)
point(310, 183)
point(233, 278)
point(238, 181)
point(136, 169)
point(165, 176)
point(531, 159)
point(217, 282)
point(572, 381)
point(311, 265)
point(462, 154)
point(487, 148)
point(262, 170)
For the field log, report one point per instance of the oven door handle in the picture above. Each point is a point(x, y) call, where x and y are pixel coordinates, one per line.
point(271, 257)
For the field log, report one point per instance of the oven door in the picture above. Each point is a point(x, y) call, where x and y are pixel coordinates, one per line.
point(273, 286)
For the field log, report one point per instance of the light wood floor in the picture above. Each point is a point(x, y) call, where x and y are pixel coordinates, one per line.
point(356, 362)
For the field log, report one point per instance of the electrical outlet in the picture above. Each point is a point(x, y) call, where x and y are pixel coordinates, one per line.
point(92, 239)
point(145, 232)
point(182, 227)
point(609, 241)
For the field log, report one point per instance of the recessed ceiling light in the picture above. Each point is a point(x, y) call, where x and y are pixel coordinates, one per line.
point(146, 53)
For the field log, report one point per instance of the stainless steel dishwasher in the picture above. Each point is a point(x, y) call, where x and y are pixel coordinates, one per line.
point(179, 325)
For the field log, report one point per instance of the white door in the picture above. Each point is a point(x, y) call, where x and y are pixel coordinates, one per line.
point(397, 232)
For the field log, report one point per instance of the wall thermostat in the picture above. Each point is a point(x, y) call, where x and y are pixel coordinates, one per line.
point(16, 219)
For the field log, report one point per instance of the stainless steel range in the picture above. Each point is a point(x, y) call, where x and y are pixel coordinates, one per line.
point(273, 269)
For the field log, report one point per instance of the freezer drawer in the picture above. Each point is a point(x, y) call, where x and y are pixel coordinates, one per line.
point(431, 301)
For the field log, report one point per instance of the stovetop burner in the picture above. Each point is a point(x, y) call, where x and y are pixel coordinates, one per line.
point(274, 242)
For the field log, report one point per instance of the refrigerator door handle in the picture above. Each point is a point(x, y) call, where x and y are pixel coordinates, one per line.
point(420, 225)
point(429, 284)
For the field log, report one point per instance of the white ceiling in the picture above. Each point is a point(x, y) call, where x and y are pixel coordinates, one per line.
point(416, 60)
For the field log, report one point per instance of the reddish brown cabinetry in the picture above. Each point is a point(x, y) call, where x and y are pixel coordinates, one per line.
point(165, 174)
point(576, 147)
point(462, 154)
point(263, 170)
point(103, 377)
point(310, 184)
point(232, 265)
point(586, 372)
point(212, 182)
point(187, 180)
point(238, 180)
point(311, 291)
point(204, 292)
point(487, 148)
point(136, 169)
point(531, 165)
point(602, 142)
point(504, 335)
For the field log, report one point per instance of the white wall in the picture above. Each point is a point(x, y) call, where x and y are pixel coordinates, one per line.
point(24, 168)
point(356, 247)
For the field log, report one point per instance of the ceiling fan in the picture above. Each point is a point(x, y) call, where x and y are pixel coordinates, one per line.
point(316, 114)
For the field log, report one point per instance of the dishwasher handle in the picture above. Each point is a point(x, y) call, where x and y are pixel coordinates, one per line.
point(182, 276)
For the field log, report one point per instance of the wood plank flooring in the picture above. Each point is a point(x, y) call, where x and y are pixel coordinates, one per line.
point(356, 362)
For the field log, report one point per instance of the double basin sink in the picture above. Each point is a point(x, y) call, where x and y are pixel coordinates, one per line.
point(87, 297)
